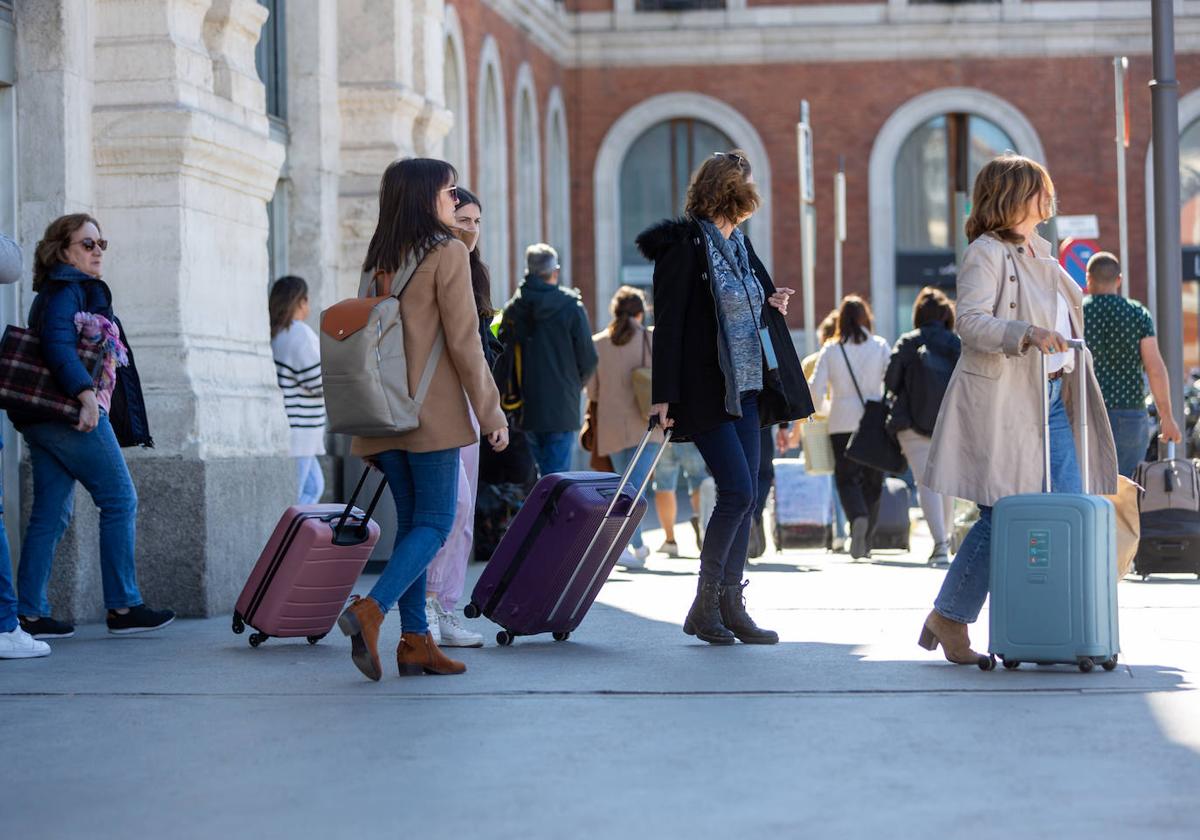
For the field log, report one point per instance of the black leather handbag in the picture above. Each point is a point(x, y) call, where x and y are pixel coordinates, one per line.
point(873, 445)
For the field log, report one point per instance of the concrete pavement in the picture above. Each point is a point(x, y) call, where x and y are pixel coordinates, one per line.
point(845, 729)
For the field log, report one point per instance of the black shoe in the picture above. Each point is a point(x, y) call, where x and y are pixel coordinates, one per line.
point(858, 538)
point(735, 617)
point(704, 618)
point(699, 536)
point(139, 619)
point(46, 628)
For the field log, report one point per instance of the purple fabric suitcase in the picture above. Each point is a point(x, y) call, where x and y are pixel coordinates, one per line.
point(304, 575)
point(559, 550)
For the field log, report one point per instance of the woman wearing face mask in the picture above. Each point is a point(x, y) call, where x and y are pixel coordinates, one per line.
point(73, 303)
point(448, 572)
point(724, 366)
point(417, 198)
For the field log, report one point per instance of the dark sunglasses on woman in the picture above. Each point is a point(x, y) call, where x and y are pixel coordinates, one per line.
point(90, 244)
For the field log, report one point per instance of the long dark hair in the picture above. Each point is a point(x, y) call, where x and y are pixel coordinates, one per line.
point(854, 320)
point(481, 278)
point(932, 307)
point(52, 248)
point(627, 304)
point(408, 220)
point(286, 294)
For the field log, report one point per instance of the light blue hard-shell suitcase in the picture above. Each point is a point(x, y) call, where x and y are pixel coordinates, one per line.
point(1054, 569)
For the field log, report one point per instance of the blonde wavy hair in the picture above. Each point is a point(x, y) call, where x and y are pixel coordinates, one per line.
point(1003, 190)
point(720, 189)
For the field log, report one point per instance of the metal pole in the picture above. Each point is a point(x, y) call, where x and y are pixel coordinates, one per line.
point(1120, 65)
point(808, 226)
point(839, 216)
point(1164, 93)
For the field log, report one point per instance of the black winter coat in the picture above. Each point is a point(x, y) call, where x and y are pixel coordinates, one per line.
point(919, 385)
point(690, 366)
point(557, 354)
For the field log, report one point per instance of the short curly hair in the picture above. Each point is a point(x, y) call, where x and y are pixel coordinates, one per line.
point(721, 188)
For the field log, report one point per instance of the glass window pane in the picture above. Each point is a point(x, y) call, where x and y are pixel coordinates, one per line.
point(922, 190)
point(645, 189)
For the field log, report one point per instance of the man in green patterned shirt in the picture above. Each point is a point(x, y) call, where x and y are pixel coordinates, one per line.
point(1120, 334)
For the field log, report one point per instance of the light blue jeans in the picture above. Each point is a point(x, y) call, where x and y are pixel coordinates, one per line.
point(620, 462)
point(423, 522)
point(966, 585)
point(8, 595)
point(60, 455)
point(552, 450)
point(312, 480)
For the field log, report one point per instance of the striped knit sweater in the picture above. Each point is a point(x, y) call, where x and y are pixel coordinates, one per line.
point(297, 352)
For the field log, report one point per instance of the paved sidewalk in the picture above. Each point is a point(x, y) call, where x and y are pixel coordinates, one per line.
point(630, 729)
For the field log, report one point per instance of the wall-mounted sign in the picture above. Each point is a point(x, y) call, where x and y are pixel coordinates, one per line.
point(1078, 227)
point(1073, 255)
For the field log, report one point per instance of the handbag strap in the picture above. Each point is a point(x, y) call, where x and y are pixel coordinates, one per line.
point(853, 378)
point(645, 344)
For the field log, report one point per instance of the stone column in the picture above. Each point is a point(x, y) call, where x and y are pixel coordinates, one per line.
point(184, 167)
point(379, 111)
point(314, 130)
point(429, 25)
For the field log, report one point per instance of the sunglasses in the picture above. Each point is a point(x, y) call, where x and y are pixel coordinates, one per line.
point(453, 193)
point(90, 244)
point(738, 159)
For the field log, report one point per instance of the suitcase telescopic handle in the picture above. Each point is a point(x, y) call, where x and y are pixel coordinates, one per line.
point(627, 475)
point(354, 497)
point(1080, 348)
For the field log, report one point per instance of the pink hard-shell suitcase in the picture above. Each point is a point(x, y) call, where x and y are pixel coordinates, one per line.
point(303, 577)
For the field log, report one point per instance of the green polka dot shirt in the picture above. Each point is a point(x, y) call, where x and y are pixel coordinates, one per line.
point(1114, 328)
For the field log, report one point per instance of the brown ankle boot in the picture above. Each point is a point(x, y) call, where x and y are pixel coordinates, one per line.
point(419, 654)
point(361, 621)
point(952, 636)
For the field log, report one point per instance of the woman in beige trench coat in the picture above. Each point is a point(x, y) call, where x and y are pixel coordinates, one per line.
point(1012, 298)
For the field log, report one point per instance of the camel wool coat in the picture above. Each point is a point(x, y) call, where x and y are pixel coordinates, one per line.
point(988, 440)
point(439, 294)
point(620, 424)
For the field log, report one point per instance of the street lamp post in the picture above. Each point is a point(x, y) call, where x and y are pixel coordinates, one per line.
point(1168, 264)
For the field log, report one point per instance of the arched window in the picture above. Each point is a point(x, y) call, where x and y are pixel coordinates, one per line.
point(654, 182)
point(454, 73)
point(528, 168)
point(558, 184)
point(934, 176)
point(492, 177)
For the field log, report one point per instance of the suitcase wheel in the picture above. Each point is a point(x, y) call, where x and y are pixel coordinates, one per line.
point(471, 610)
point(312, 640)
point(987, 663)
point(561, 637)
point(1086, 664)
point(257, 639)
point(504, 638)
point(239, 624)
point(1110, 663)
point(1011, 664)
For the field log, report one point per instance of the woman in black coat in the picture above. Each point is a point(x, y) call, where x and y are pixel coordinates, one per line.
point(723, 367)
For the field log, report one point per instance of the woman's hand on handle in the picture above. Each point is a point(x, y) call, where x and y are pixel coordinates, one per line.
point(659, 410)
point(498, 439)
point(1047, 341)
point(89, 414)
point(780, 299)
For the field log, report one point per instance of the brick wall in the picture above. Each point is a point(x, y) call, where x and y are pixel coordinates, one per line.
point(1068, 101)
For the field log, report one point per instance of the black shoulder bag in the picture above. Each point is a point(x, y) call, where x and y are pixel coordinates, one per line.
point(872, 445)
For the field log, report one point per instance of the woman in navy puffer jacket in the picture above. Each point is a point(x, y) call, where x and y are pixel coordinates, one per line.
point(74, 305)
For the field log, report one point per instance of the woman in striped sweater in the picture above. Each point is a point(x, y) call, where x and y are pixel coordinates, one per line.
point(297, 352)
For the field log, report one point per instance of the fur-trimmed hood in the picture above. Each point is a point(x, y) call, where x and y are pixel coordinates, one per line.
point(662, 236)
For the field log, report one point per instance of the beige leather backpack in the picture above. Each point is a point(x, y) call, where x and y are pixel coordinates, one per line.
point(363, 366)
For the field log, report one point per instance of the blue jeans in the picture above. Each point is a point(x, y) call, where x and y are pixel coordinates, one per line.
point(966, 585)
point(8, 596)
point(1131, 433)
point(312, 480)
point(423, 522)
point(552, 450)
point(60, 456)
point(731, 452)
point(621, 463)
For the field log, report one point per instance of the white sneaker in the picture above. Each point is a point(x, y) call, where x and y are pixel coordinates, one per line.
point(670, 548)
point(630, 560)
point(642, 553)
point(431, 618)
point(17, 644)
point(452, 631)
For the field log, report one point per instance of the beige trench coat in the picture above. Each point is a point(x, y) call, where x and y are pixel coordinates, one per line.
point(988, 440)
point(620, 424)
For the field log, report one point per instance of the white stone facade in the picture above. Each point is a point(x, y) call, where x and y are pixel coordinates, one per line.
point(151, 115)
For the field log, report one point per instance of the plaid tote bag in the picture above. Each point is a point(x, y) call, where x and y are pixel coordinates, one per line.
point(28, 387)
